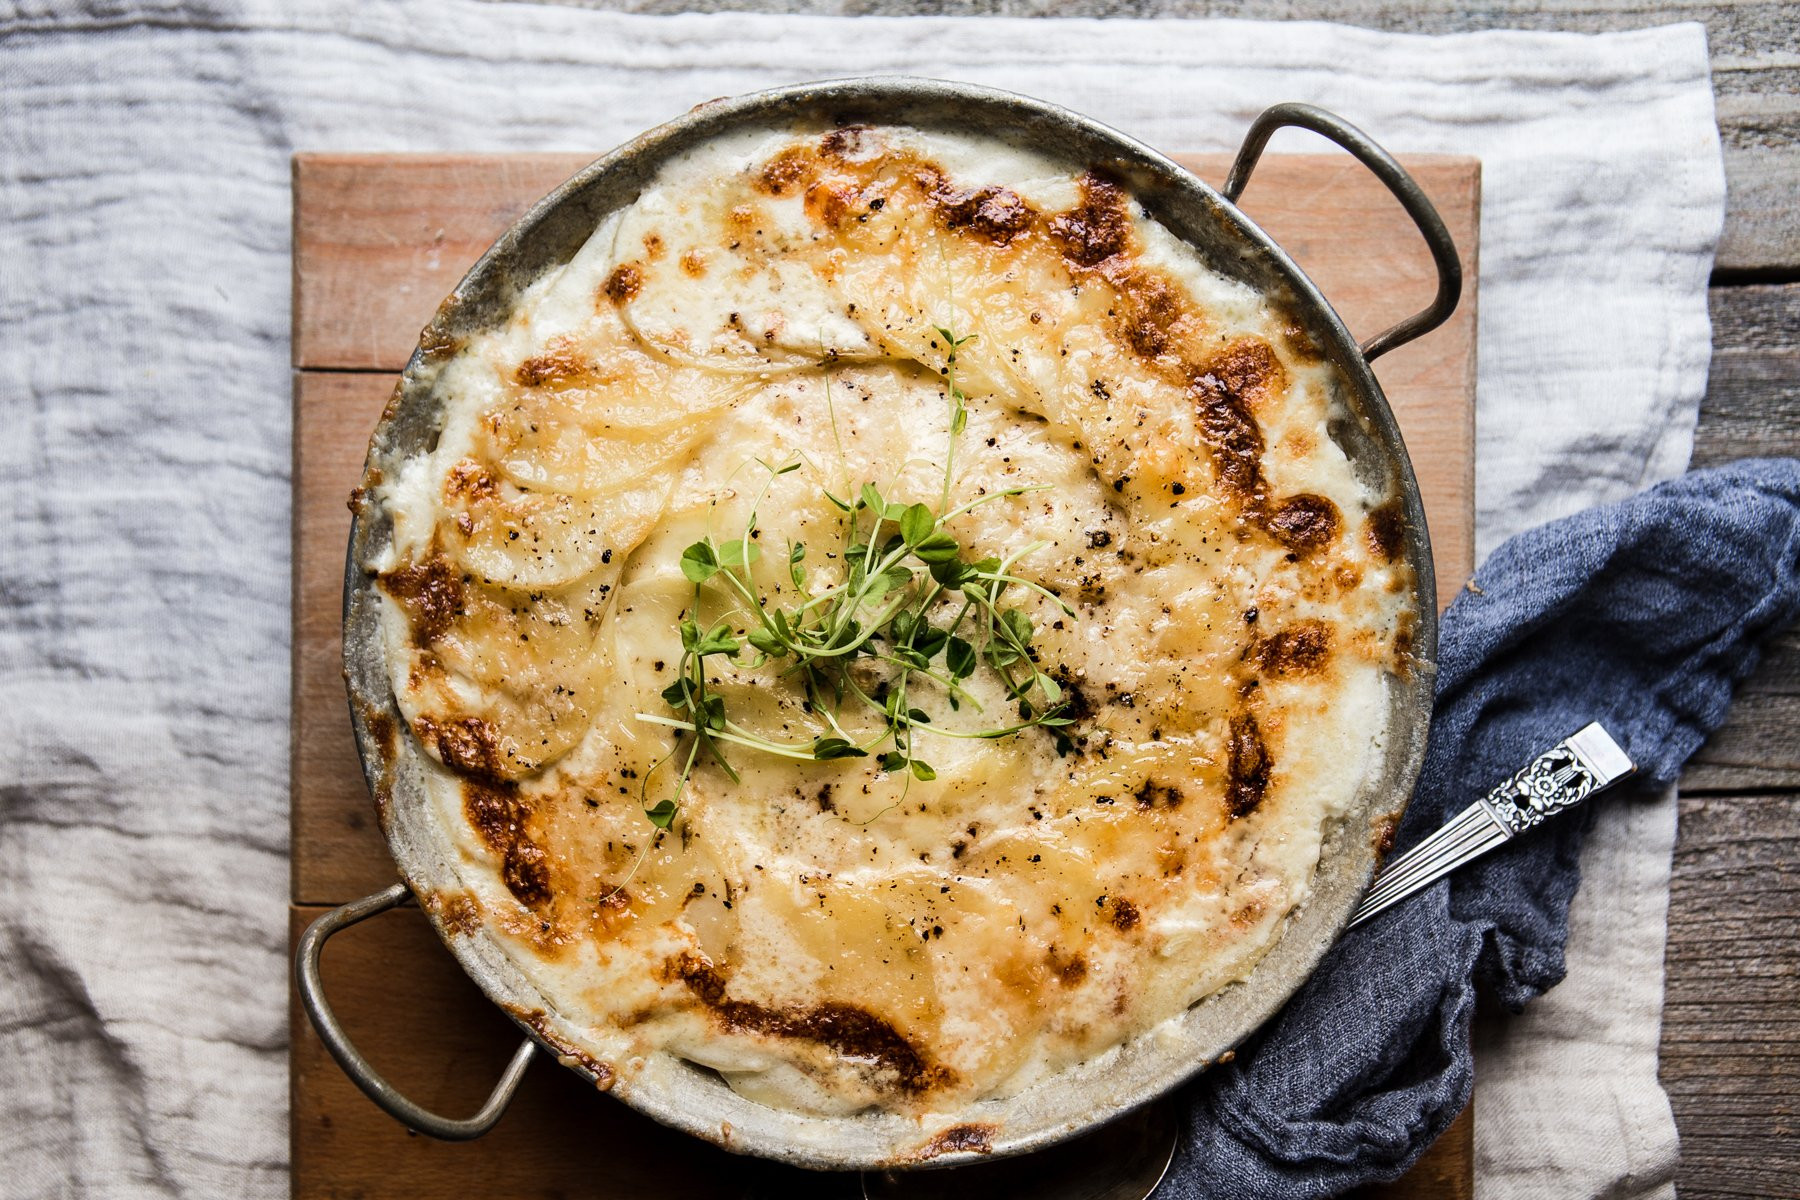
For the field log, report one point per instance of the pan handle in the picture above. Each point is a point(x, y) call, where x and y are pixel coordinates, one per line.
point(383, 1093)
point(1405, 189)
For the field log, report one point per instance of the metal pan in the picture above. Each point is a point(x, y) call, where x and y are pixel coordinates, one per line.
point(1086, 1096)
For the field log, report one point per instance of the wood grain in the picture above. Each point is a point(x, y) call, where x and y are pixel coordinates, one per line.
point(1752, 409)
point(1731, 1015)
point(338, 853)
point(377, 242)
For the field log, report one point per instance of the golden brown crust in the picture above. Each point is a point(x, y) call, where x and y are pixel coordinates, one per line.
point(1303, 648)
point(994, 214)
point(500, 816)
point(431, 595)
point(624, 283)
point(1249, 765)
point(786, 172)
point(968, 1138)
point(1097, 228)
point(467, 744)
point(560, 365)
point(1302, 523)
point(851, 1031)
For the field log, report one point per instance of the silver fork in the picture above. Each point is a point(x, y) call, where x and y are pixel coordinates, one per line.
point(1558, 779)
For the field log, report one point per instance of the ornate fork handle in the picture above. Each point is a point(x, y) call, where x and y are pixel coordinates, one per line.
point(1558, 779)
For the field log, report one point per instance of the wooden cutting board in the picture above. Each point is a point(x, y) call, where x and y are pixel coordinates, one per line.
point(378, 241)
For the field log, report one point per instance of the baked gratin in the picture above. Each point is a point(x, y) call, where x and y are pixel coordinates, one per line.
point(889, 621)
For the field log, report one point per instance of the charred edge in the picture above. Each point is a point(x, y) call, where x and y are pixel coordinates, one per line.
point(431, 593)
point(624, 283)
point(436, 343)
point(1303, 523)
point(995, 214)
point(381, 728)
point(390, 412)
point(959, 1139)
point(1406, 636)
point(786, 171)
point(1097, 228)
point(1386, 531)
point(1299, 343)
point(841, 144)
point(1303, 648)
point(468, 744)
point(457, 912)
point(1124, 915)
point(1249, 766)
point(499, 816)
point(559, 366)
point(851, 1031)
point(1381, 835)
point(567, 1053)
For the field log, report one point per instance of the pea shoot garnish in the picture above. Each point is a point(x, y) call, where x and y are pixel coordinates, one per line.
point(914, 615)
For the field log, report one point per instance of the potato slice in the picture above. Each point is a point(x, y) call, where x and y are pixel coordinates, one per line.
point(510, 537)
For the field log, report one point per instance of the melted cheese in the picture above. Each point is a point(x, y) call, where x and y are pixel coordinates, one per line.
point(829, 936)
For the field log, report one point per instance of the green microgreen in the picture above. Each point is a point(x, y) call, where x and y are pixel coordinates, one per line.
point(911, 598)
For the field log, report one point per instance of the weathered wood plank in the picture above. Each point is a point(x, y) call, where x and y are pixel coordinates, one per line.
point(1731, 1016)
point(1752, 408)
point(1756, 65)
point(1752, 404)
point(379, 240)
point(338, 853)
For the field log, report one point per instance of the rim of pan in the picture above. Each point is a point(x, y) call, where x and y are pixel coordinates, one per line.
point(1090, 1093)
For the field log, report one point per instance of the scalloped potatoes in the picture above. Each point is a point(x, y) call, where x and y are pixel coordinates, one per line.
point(828, 935)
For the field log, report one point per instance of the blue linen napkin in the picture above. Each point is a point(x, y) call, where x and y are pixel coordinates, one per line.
point(1642, 615)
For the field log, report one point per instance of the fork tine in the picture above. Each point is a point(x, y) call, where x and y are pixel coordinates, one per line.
point(1468, 835)
point(1447, 840)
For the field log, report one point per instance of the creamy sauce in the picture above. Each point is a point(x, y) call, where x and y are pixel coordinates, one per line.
point(830, 936)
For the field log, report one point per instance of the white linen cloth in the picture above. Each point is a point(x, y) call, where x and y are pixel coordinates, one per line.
point(144, 474)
